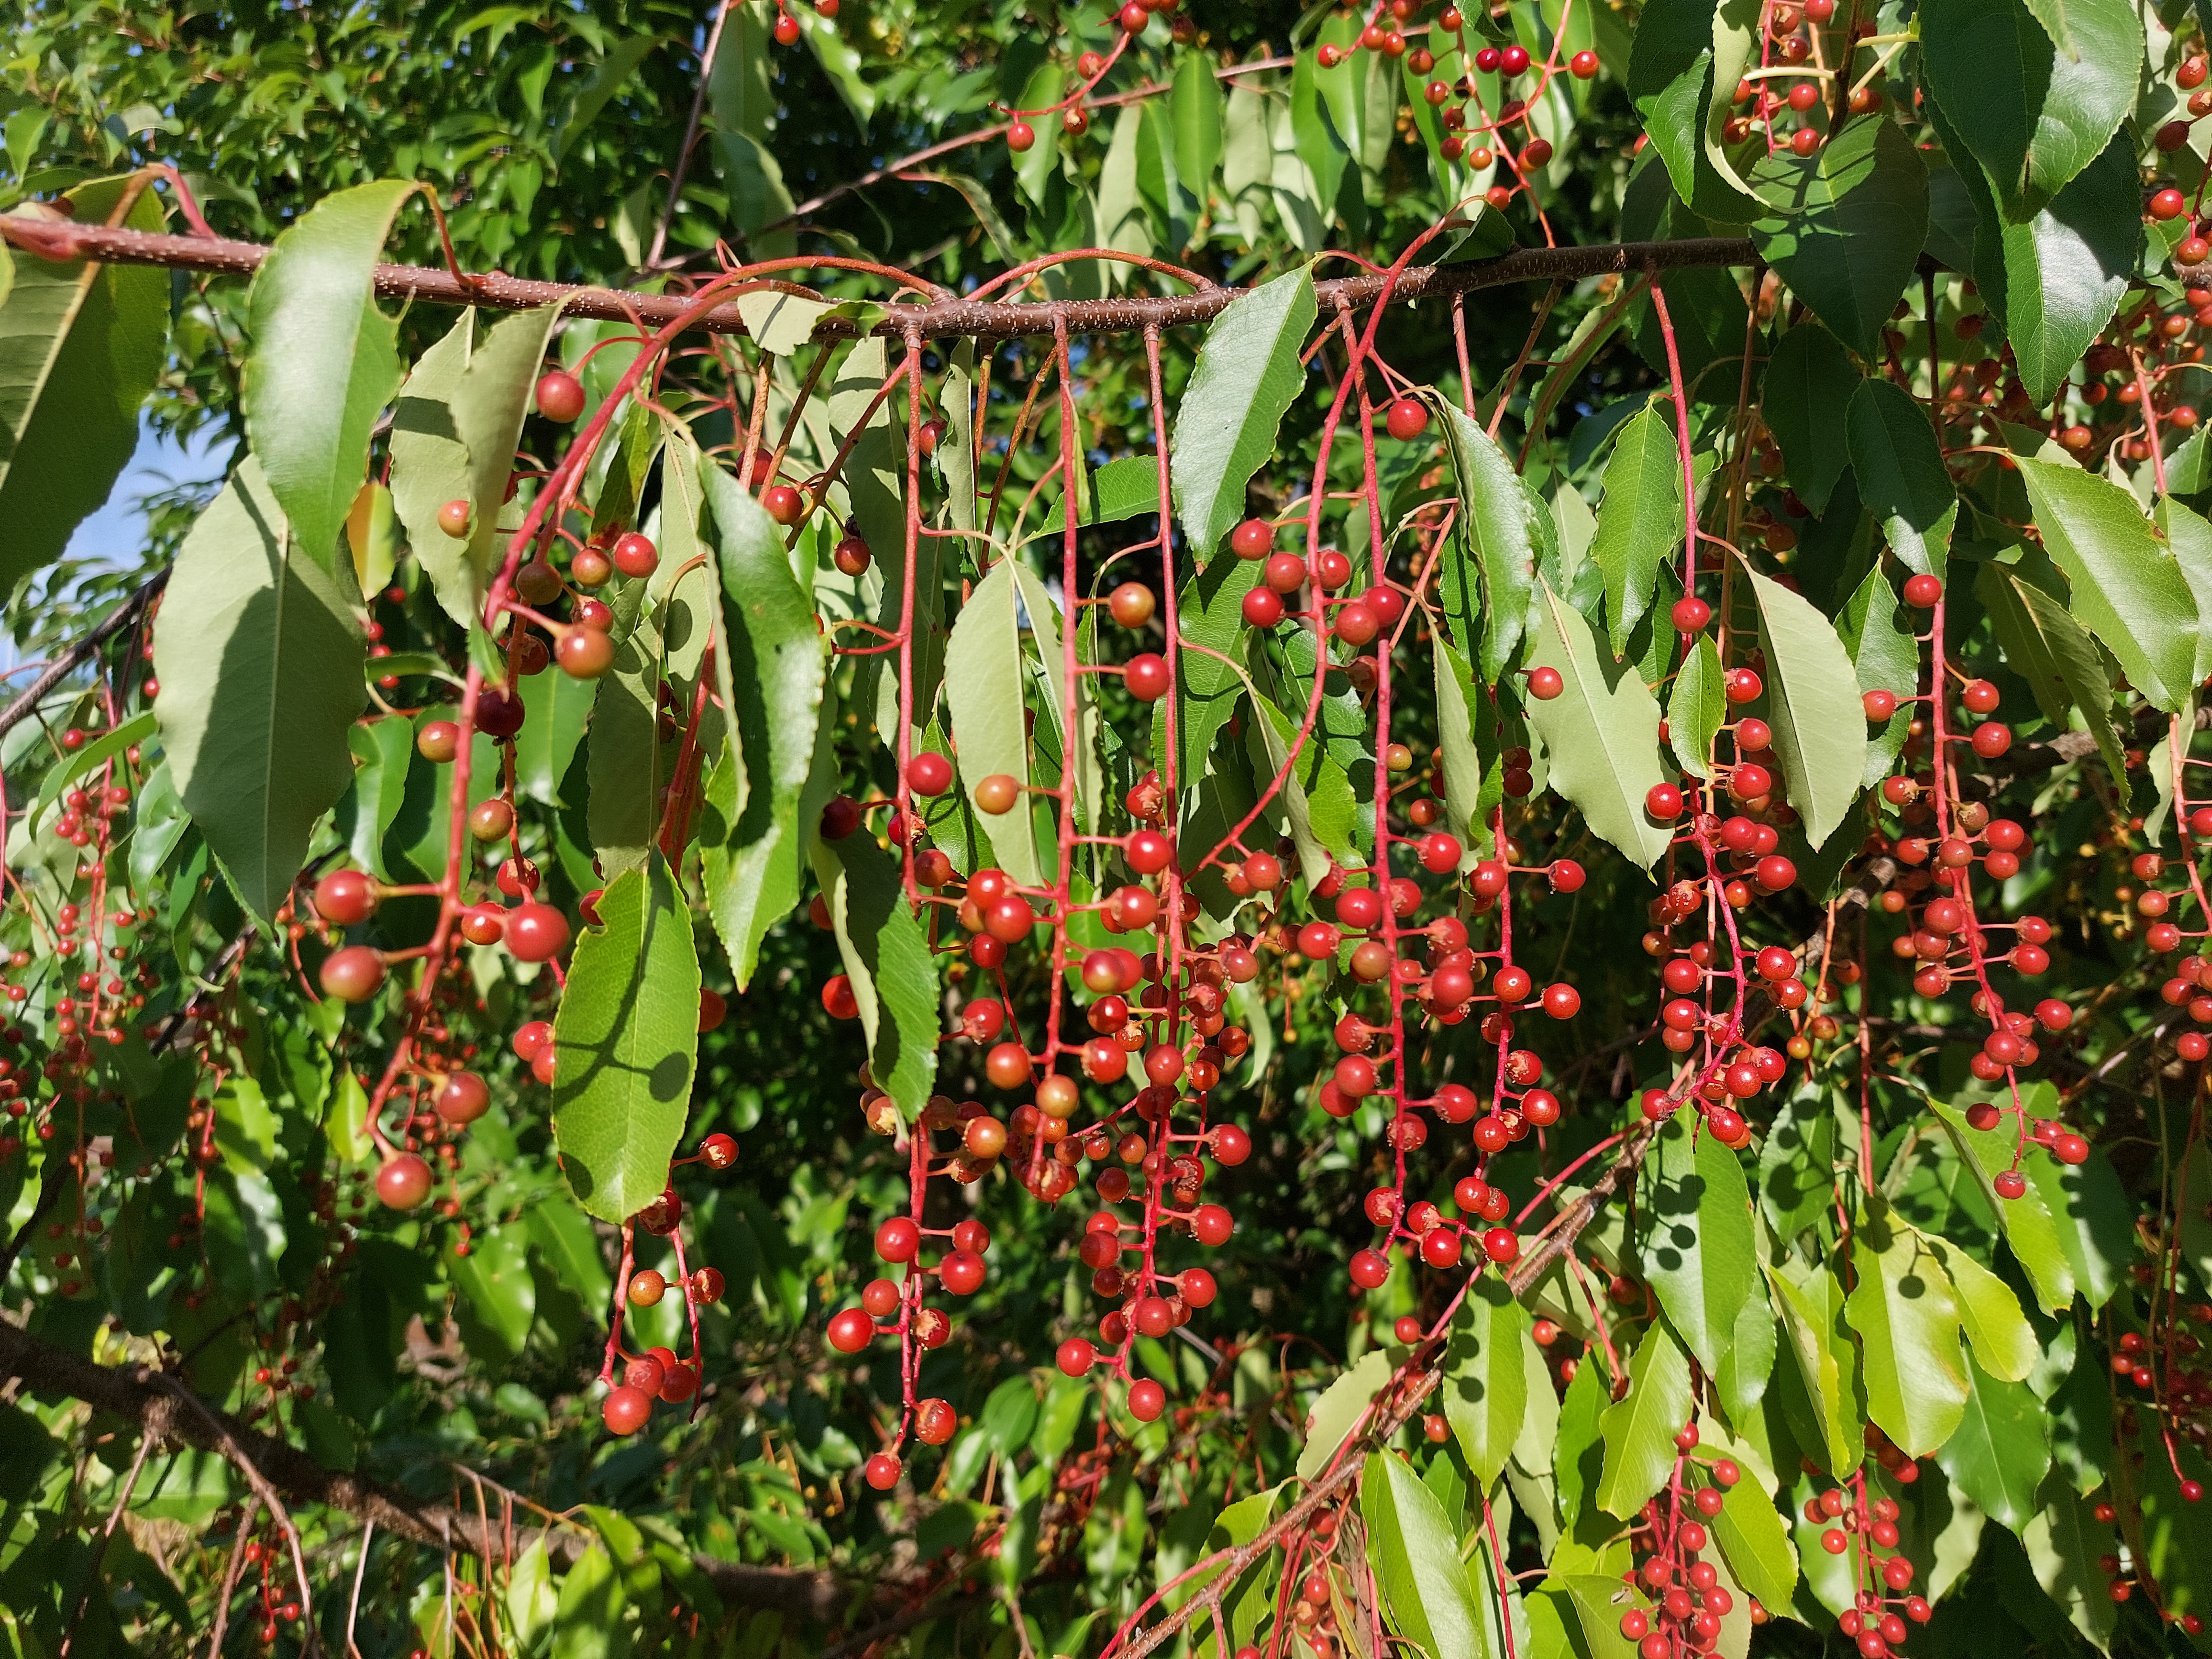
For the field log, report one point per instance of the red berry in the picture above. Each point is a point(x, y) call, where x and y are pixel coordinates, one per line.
point(345, 896)
point(626, 1409)
point(1408, 419)
point(353, 975)
point(783, 504)
point(1545, 683)
point(1146, 676)
point(560, 397)
point(403, 1181)
point(635, 555)
point(929, 774)
point(851, 1330)
point(1253, 539)
point(536, 932)
point(1583, 65)
point(1922, 591)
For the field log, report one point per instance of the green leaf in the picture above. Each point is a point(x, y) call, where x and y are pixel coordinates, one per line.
point(2045, 647)
point(430, 465)
point(1247, 376)
point(1885, 657)
point(780, 323)
point(1640, 520)
point(259, 658)
point(2127, 587)
point(1601, 733)
point(606, 79)
point(555, 708)
point(626, 1039)
point(1696, 707)
point(2093, 1216)
point(81, 345)
point(751, 834)
point(2004, 1343)
point(494, 1279)
point(1901, 475)
point(588, 1619)
point(1466, 770)
point(1195, 109)
point(1748, 1527)
point(626, 761)
point(489, 407)
point(886, 949)
point(2027, 1221)
point(323, 361)
point(1856, 215)
point(1805, 399)
point(985, 675)
point(1812, 1318)
point(1907, 1321)
point(2033, 115)
point(2190, 537)
point(1698, 1254)
point(1414, 1552)
point(1639, 1429)
point(1683, 50)
point(1505, 531)
point(1812, 703)
point(2067, 267)
point(2064, 1542)
point(1210, 613)
point(1342, 1404)
point(2000, 1452)
point(1485, 1387)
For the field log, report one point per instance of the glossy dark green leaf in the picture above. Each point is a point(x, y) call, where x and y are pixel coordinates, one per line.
point(1901, 475)
point(1696, 706)
point(1813, 704)
point(2065, 1543)
point(324, 361)
point(494, 1279)
point(2001, 1450)
point(1683, 50)
point(1699, 1254)
point(1248, 375)
point(1805, 401)
point(1854, 215)
point(754, 856)
point(1601, 733)
point(2067, 268)
point(626, 1038)
point(1749, 1531)
point(1811, 1303)
point(1640, 521)
point(2033, 115)
point(2127, 587)
point(81, 345)
point(260, 656)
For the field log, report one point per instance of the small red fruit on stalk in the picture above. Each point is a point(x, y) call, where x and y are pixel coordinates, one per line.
point(560, 397)
point(626, 1409)
point(403, 1181)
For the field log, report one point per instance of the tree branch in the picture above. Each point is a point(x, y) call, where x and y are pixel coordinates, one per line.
point(143, 1395)
point(67, 664)
point(1009, 320)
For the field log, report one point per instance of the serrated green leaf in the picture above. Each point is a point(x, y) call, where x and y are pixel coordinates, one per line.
point(1901, 475)
point(2004, 1343)
point(1341, 1405)
point(489, 405)
point(1485, 1387)
point(1812, 1318)
point(1601, 733)
point(81, 345)
point(1640, 520)
point(259, 659)
point(324, 361)
point(984, 677)
point(1907, 1321)
point(2067, 268)
point(1854, 215)
point(1505, 534)
point(626, 1039)
point(1805, 400)
point(1248, 375)
point(2045, 647)
point(2127, 587)
point(1813, 704)
point(2000, 1452)
point(1885, 657)
point(886, 949)
point(2189, 538)
point(2033, 116)
point(1414, 1552)
point(751, 833)
point(1696, 707)
point(1639, 1429)
point(1699, 1254)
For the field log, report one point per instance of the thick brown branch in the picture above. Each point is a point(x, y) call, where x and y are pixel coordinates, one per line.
point(142, 1396)
point(945, 320)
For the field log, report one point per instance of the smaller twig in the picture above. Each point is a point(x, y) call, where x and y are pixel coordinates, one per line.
point(100, 1549)
point(230, 1577)
point(353, 1606)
